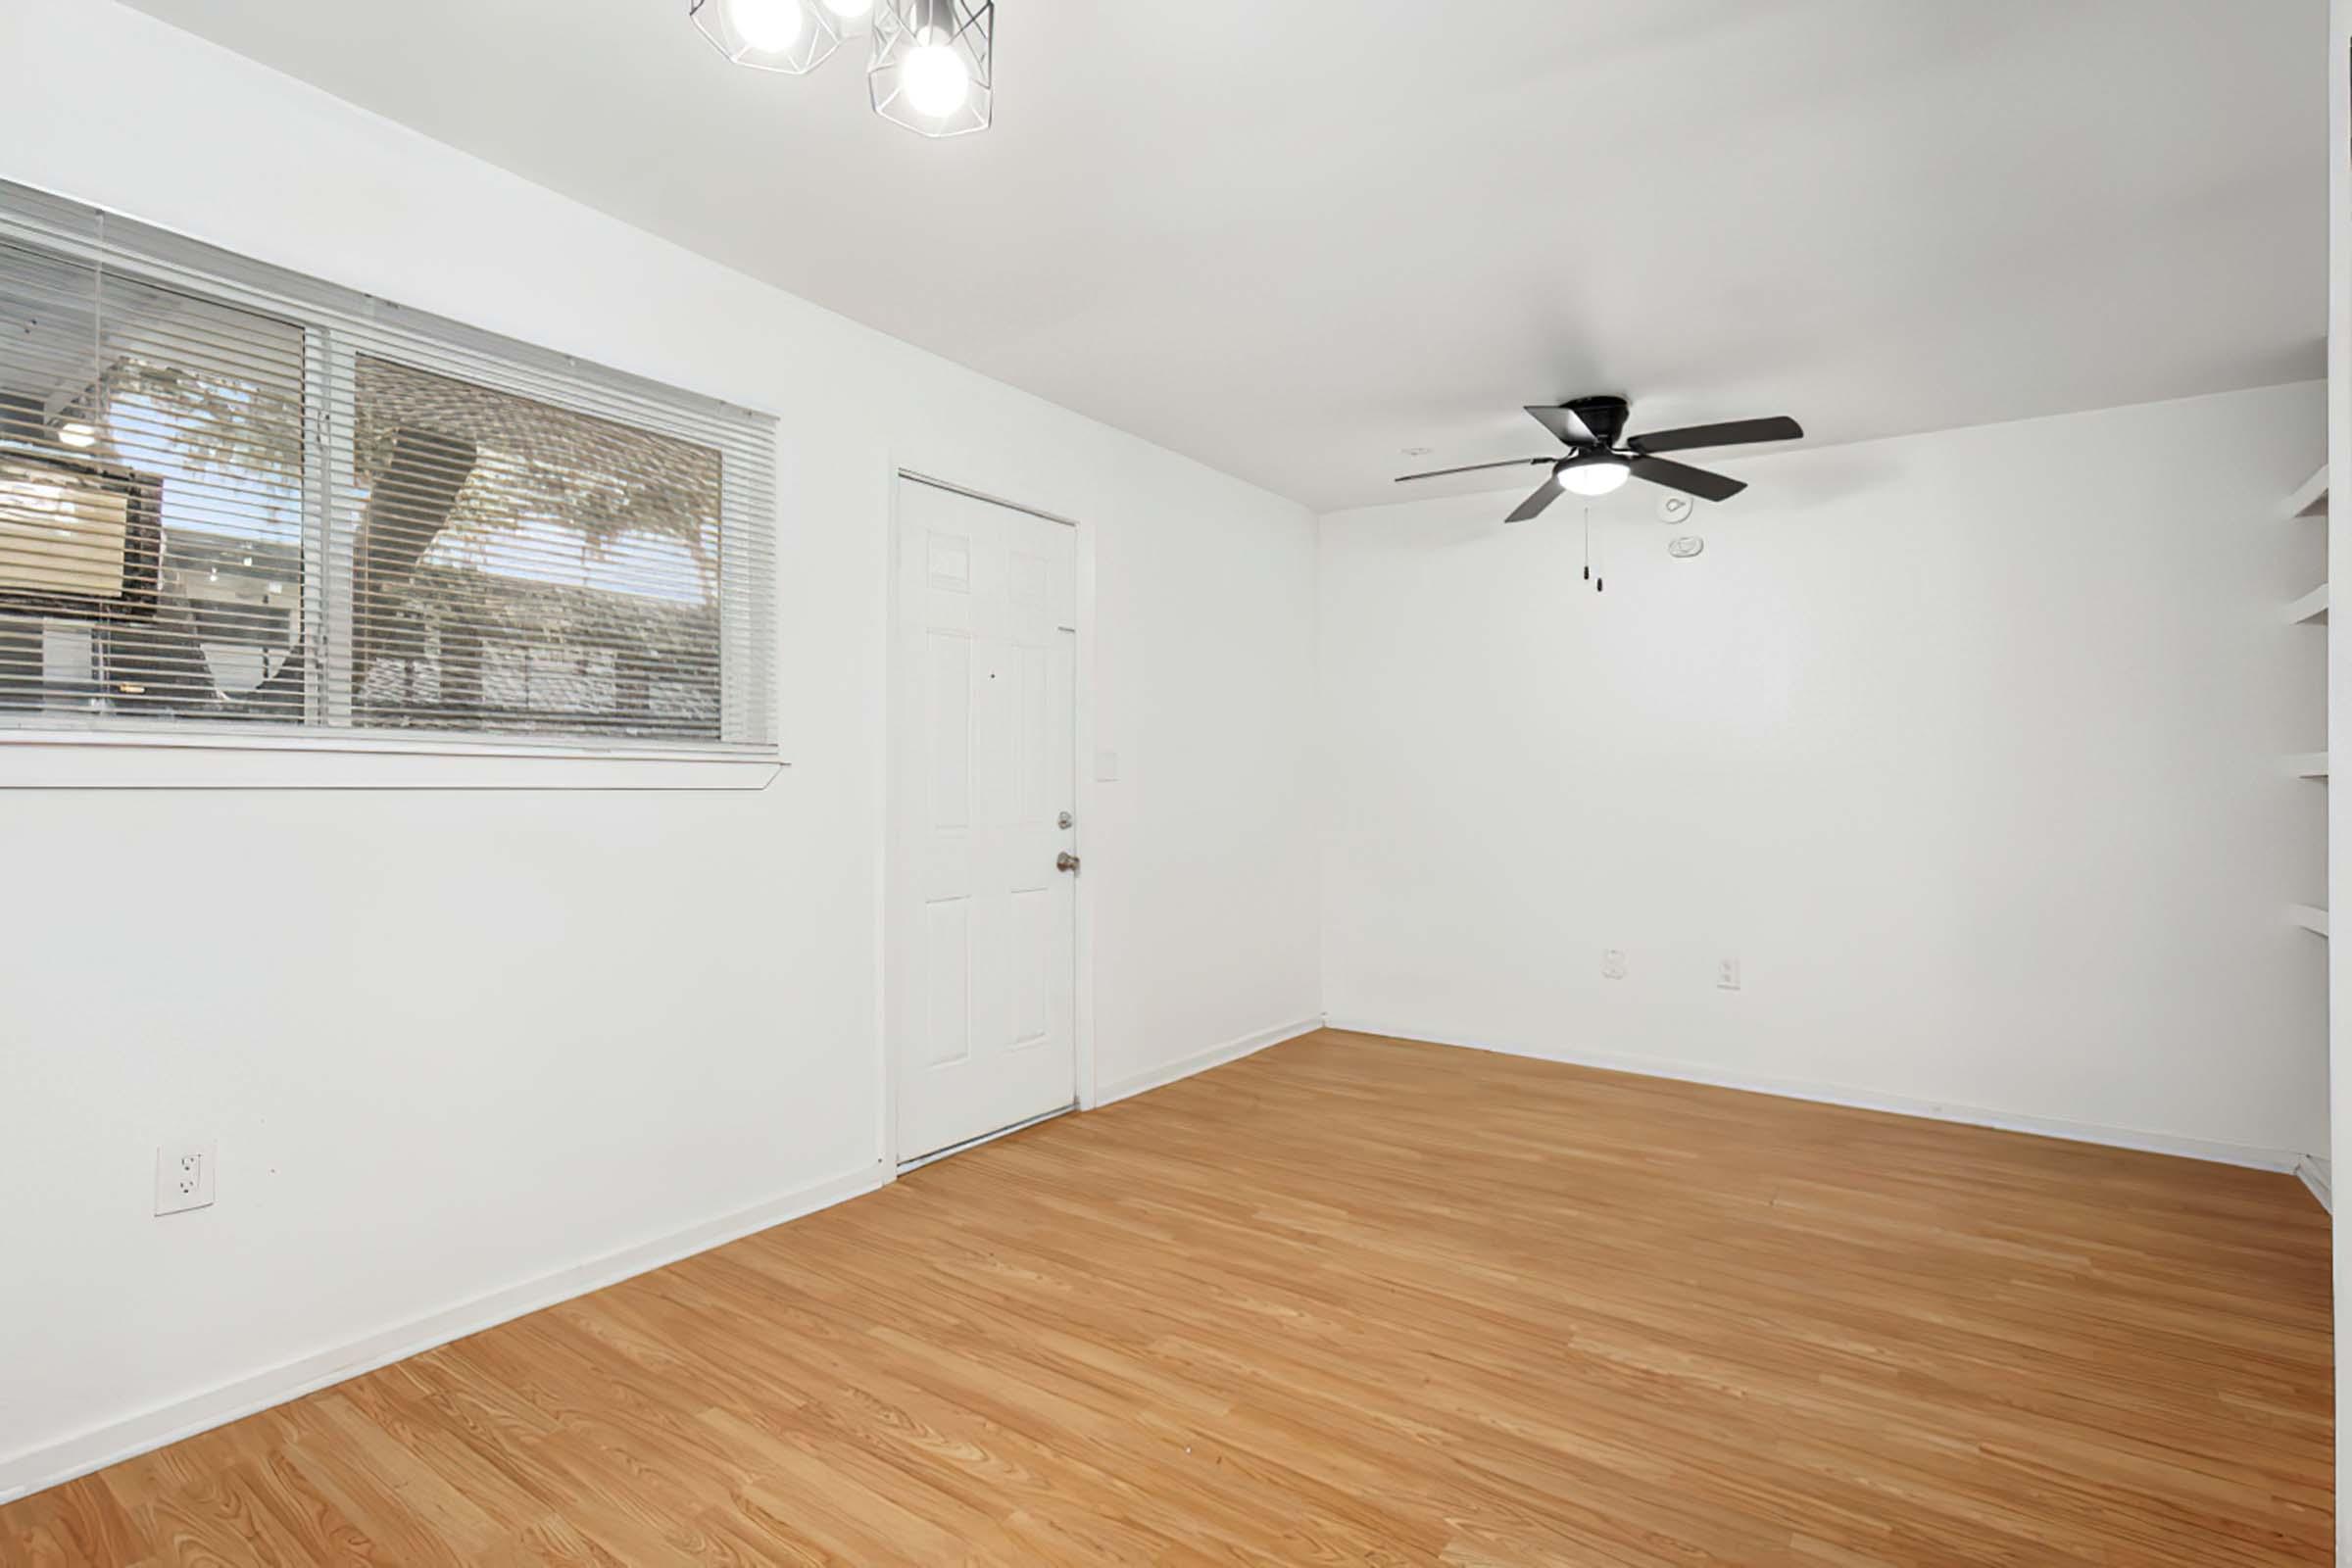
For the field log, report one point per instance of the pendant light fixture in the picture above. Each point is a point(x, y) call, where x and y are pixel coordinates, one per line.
point(852, 18)
point(933, 66)
point(789, 37)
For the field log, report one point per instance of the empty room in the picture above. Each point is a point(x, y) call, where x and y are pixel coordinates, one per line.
point(1525, 784)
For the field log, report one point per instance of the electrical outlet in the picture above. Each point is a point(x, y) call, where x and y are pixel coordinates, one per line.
point(1727, 974)
point(1612, 964)
point(183, 1177)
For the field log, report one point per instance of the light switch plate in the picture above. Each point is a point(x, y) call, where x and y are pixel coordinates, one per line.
point(183, 1177)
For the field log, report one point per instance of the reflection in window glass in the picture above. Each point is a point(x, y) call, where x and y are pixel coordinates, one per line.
point(151, 500)
point(521, 567)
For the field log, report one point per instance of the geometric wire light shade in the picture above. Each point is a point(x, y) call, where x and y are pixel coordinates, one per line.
point(852, 18)
point(791, 36)
point(933, 67)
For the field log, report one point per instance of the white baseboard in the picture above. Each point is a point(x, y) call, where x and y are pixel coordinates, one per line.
point(1203, 1061)
point(48, 1464)
point(2318, 1177)
point(29, 1470)
point(2257, 1159)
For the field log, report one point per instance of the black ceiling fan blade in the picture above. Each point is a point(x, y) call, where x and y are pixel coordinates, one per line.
point(1475, 467)
point(1544, 497)
point(1684, 477)
point(1567, 427)
point(1736, 432)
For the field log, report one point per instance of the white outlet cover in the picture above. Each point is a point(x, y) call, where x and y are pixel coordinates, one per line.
point(1106, 767)
point(1727, 974)
point(1612, 964)
point(183, 1177)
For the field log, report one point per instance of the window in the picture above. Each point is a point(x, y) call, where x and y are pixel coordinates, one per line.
point(233, 501)
point(523, 568)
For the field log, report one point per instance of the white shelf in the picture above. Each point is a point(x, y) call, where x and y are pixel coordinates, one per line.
point(2311, 610)
point(2310, 499)
point(2309, 917)
point(2308, 764)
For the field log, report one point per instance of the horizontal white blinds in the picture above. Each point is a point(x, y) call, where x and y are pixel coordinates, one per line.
point(149, 440)
point(231, 497)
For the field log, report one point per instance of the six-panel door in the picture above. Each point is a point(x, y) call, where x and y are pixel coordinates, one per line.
point(984, 989)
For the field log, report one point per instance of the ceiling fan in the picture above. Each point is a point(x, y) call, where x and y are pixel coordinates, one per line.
point(1597, 462)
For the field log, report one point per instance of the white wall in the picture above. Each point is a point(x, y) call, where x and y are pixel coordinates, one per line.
point(1964, 744)
point(2340, 710)
point(452, 1043)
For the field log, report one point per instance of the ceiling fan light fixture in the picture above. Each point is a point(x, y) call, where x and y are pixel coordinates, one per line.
point(792, 38)
point(1597, 462)
point(1598, 474)
point(933, 64)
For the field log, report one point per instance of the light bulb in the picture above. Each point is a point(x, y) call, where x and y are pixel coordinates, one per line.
point(75, 433)
point(767, 25)
point(849, 9)
point(934, 76)
point(1593, 476)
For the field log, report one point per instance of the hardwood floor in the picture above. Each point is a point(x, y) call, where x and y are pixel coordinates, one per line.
point(1361, 1301)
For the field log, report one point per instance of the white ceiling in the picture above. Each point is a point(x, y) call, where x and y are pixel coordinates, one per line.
point(1295, 239)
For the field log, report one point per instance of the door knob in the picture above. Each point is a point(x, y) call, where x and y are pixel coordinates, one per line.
point(1066, 862)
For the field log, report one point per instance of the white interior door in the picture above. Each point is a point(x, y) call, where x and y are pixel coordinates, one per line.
point(984, 919)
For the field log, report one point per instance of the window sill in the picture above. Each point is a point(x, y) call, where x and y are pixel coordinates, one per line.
point(67, 760)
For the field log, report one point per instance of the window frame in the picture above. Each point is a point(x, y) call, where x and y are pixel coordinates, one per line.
point(325, 750)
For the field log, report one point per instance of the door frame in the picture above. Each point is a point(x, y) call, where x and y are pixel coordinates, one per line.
point(896, 923)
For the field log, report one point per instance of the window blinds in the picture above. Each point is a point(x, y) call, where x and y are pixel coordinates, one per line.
point(232, 499)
